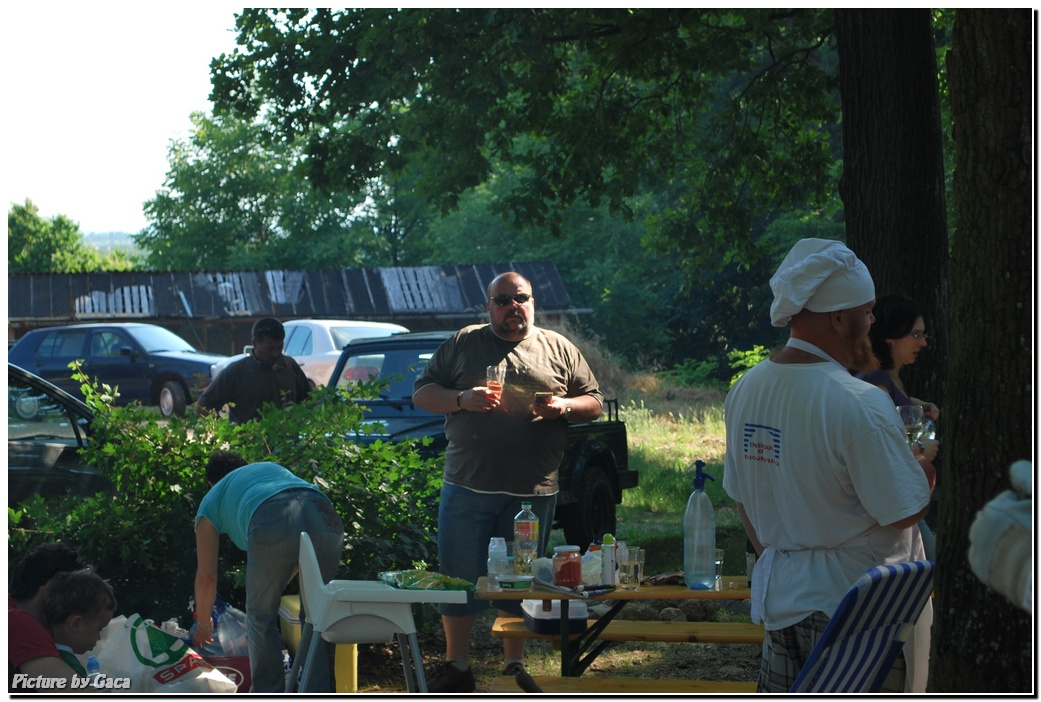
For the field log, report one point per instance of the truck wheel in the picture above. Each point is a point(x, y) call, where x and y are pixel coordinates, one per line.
point(172, 399)
point(594, 514)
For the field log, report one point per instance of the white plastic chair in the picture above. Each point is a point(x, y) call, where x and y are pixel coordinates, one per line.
point(358, 611)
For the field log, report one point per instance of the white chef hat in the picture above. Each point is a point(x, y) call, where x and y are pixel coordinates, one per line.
point(819, 275)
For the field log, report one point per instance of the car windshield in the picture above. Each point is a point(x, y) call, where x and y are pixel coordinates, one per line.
point(400, 366)
point(159, 339)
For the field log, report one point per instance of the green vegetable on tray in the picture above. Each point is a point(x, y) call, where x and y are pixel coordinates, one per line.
point(423, 580)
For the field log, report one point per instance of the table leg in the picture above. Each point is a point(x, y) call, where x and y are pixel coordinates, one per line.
point(577, 655)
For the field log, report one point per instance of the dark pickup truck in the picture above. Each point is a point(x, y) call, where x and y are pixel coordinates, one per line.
point(594, 469)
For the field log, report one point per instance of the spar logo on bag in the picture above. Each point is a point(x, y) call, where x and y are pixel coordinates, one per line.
point(155, 648)
point(187, 664)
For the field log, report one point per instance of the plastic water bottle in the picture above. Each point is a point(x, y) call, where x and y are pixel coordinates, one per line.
point(93, 673)
point(498, 563)
point(699, 535)
point(525, 539)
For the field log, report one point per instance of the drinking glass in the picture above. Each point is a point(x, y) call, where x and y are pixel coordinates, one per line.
point(630, 568)
point(495, 376)
point(719, 563)
point(914, 421)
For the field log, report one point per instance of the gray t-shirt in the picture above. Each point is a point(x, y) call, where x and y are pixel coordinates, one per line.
point(508, 450)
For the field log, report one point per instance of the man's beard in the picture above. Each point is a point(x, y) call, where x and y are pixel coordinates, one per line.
point(506, 332)
point(862, 356)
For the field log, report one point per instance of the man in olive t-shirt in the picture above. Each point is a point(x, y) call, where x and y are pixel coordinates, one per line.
point(501, 449)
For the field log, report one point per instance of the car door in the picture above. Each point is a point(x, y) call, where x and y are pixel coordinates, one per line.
point(52, 356)
point(44, 436)
point(115, 358)
point(299, 345)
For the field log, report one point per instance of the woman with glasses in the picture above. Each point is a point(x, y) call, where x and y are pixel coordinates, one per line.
point(897, 337)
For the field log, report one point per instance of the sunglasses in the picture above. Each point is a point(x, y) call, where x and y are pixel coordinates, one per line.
point(503, 300)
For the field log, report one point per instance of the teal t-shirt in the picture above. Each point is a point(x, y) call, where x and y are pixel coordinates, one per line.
point(230, 504)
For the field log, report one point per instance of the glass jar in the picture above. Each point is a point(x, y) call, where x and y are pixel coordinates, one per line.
point(567, 566)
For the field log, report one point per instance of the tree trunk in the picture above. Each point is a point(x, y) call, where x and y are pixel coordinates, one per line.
point(893, 177)
point(981, 643)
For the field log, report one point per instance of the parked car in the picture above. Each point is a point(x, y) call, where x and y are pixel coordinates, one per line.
point(593, 471)
point(46, 428)
point(148, 363)
point(315, 343)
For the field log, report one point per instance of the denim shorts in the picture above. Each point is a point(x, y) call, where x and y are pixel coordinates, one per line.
point(466, 522)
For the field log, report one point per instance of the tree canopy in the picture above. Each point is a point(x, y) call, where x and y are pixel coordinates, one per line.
point(55, 245)
point(716, 109)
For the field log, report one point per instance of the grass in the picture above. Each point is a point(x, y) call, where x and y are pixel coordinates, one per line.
point(669, 428)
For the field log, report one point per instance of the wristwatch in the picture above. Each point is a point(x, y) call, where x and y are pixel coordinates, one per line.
point(459, 399)
point(567, 410)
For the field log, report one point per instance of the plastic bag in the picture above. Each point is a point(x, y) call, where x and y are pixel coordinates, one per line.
point(152, 660)
point(423, 580)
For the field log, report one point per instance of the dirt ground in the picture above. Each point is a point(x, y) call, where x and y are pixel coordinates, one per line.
point(380, 670)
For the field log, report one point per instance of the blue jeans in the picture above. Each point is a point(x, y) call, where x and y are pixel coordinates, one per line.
point(466, 522)
point(271, 562)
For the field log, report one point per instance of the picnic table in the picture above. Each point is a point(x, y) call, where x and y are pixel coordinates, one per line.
point(579, 649)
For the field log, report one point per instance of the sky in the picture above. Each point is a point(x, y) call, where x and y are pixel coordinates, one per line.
point(93, 94)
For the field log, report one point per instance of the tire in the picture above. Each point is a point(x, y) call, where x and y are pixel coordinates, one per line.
point(172, 399)
point(27, 406)
point(594, 514)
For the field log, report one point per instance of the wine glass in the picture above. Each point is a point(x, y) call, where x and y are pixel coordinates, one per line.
point(914, 421)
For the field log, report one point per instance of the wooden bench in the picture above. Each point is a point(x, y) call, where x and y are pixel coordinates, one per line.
point(606, 686)
point(626, 630)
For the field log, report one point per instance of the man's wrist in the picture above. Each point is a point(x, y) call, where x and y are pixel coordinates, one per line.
point(921, 447)
point(459, 399)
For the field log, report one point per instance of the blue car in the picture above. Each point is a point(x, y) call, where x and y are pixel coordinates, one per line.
point(148, 363)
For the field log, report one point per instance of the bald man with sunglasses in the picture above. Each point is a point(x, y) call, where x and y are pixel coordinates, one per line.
point(501, 448)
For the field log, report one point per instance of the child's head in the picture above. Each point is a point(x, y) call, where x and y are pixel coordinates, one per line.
point(78, 605)
point(36, 569)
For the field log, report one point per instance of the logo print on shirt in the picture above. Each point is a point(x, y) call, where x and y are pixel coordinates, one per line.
point(762, 444)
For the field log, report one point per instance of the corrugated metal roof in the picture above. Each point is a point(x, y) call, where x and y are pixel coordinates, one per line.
point(368, 293)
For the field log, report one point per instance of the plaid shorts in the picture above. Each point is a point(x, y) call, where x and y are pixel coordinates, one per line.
point(785, 652)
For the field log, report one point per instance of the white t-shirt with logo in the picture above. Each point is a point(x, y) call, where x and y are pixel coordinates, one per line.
point(820, 461)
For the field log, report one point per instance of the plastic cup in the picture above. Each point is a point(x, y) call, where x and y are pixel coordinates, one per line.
point(495, 376)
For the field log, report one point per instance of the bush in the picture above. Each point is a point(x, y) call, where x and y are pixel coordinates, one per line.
point(143, 539)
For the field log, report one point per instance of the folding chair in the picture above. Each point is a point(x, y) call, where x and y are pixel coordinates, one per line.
point(358, 611)
point(868, 630)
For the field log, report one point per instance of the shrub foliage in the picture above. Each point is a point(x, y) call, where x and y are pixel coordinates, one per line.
point(142, 538)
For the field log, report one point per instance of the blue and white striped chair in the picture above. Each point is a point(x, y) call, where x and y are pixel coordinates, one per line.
point(868, 630)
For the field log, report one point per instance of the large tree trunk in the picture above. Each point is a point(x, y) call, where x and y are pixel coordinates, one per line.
point(893, 177)
point(981, 643)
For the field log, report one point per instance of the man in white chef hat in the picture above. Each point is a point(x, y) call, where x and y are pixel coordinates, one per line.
point(818, 463)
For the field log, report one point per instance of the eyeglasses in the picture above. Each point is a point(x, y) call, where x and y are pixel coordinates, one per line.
point(503, 300)
point(920, 336)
